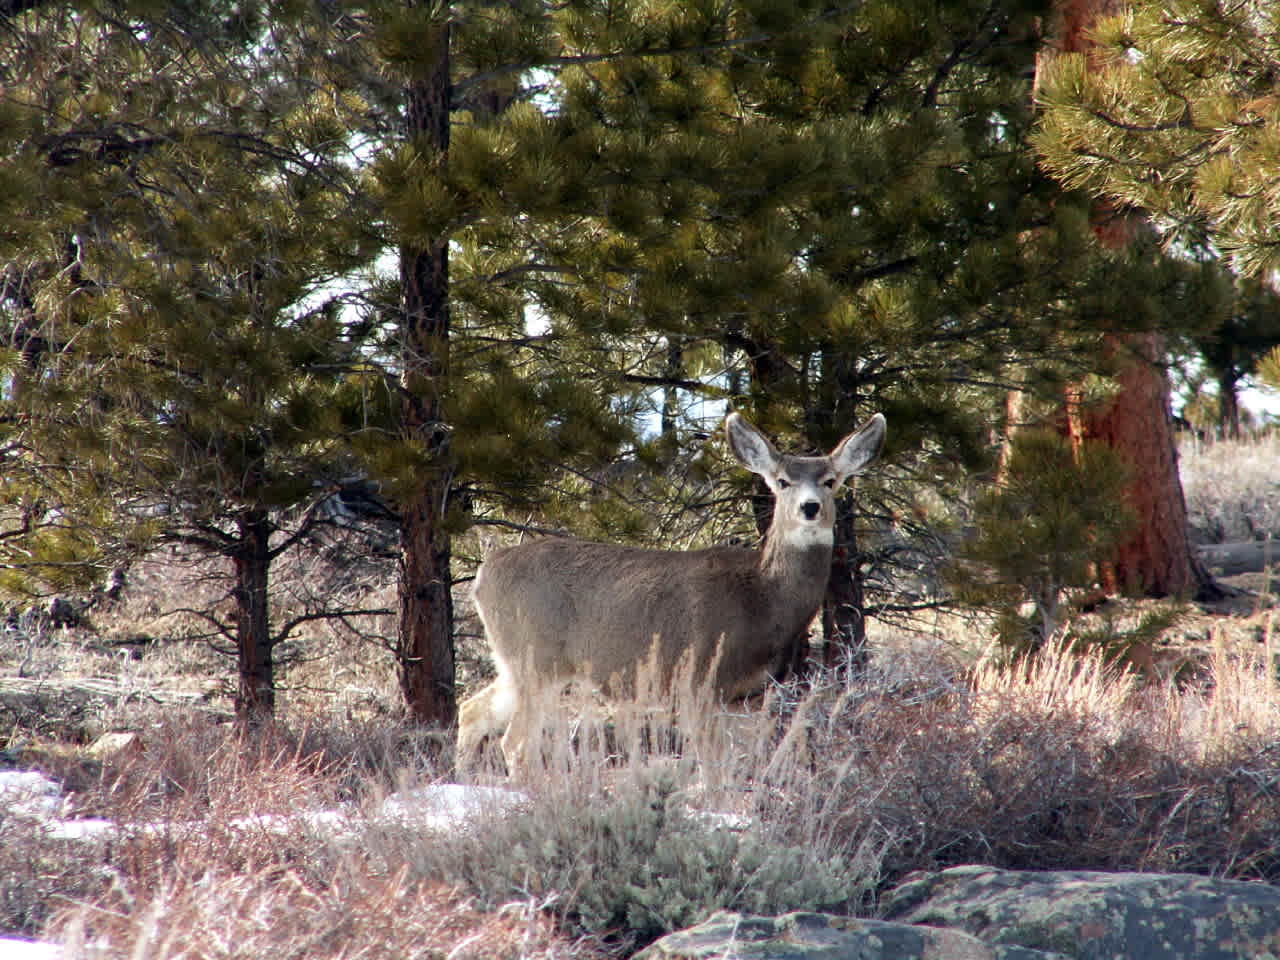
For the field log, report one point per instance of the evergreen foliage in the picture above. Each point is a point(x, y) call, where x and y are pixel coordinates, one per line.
point(1040, 532)
point(181, 367)
point(1175, 113)
point(823, 222)
point(644, 863)
point(636, 213)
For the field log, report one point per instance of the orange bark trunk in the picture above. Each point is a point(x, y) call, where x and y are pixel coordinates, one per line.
point(1157, 560)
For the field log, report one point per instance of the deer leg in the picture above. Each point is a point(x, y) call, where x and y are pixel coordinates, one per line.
point(483, 715)
point(515, 742)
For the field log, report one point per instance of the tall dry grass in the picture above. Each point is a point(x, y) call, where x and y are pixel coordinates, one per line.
point(1230, 487)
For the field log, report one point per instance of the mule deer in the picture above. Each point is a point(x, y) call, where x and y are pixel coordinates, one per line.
point(555, 610)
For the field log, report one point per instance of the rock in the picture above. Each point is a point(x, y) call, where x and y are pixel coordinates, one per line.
point(114, 747)
point(819, 936)
point(1090, 915)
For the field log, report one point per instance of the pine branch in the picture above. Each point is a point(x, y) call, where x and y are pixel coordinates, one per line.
point(880, 271)
point(487, 77)
point(518, 527)
point(219, 628)
point(969, 45)
point(123, 143)
point(695, 386)
point(286, 630)
point(1181, 123)
point(13, 8)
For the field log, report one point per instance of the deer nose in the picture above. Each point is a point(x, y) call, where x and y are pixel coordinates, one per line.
point(810, 509)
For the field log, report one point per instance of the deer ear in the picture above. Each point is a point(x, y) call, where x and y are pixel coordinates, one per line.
point(856, 452)
point(750, 446)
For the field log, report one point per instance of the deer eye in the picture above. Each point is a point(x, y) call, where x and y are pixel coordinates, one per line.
point(783, 484)
point(829, 483)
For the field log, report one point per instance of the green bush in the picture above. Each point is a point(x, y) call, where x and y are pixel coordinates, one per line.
point(1041, 531)
point(639, 863)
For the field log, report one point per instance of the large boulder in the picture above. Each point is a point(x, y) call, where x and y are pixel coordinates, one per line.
point(1090, 916)
point(818, 936)
point(982, 913)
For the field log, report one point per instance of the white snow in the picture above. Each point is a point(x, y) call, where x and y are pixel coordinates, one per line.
point(28, 950)
point(30, 793)
point(449, 806)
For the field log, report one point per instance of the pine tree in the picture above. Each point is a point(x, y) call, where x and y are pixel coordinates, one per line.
point(1241, 325)
point(1057, 513)
point(426, 585)
point(1132, 112)
point(812, 211)
point(838, 215)
point(179, 201)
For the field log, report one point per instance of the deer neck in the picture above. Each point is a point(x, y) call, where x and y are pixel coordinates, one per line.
point(802, 561)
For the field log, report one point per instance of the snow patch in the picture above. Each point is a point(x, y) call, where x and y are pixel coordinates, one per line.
point(28, 950)
point(448, 806)
point(30, 793)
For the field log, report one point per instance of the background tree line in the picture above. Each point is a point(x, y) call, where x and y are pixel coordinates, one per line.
point(473, 260)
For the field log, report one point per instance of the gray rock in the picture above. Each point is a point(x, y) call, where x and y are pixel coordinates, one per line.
point(818, 936)
point(1091, 916)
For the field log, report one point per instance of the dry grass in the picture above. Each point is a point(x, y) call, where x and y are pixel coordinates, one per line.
point(1230, 487)
point(818, 800)
point(225, 916)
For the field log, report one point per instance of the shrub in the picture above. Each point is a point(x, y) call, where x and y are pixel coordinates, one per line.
point(1041, 531)
point(1062, 762)
point(1230, 487)
point(637, 862)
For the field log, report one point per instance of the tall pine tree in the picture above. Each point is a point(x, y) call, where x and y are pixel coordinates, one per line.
point(1140, 104)
point(180, 202)
point(1174, 113)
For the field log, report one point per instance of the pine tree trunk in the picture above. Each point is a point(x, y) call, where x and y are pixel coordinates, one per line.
point(256, 696)
point(425, 645)
point(1157, 560)
point(1228, 402)
point(844, 626)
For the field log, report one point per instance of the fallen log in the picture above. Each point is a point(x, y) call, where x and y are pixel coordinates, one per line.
point(27, 696)
point(1247, 556)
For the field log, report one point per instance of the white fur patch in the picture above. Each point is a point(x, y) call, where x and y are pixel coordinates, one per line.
point(503, 704)
point(810, 535)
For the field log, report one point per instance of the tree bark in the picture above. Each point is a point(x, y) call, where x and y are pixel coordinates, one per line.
point(1229, 402)
point(425, 645)
point(256, 694)
point(844, 625)
point(1157, 560)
